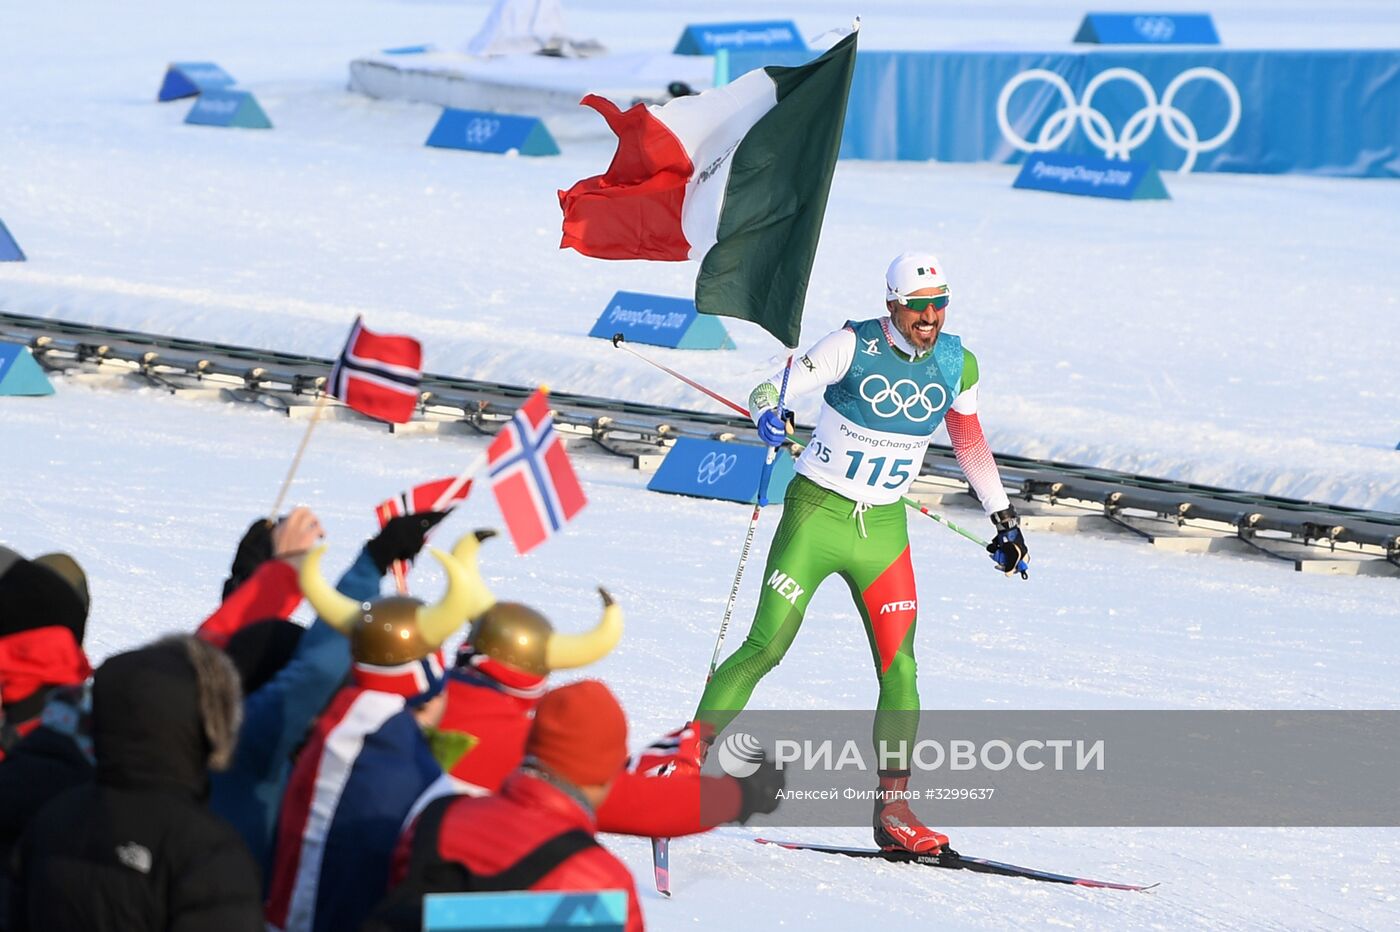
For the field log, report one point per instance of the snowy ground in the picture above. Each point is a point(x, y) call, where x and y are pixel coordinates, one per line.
point(1243, 334)
point(152, 493)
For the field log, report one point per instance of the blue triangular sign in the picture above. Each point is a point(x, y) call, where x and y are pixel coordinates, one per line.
point(9, 249)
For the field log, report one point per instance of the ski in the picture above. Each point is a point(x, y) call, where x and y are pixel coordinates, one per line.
point(950, 859)
point(661, 864)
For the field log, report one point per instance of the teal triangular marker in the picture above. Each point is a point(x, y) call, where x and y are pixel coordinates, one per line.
point(250, 115)
point(1086, 31)
point(1151, 187)
point(539, 142)
point(20, 374)
point(705, 332)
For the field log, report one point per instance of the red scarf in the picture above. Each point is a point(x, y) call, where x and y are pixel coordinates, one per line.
point(39, 657)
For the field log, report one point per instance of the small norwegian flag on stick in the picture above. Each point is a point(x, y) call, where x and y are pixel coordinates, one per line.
point(531, 476)
point(438, 495)
point(378, 374)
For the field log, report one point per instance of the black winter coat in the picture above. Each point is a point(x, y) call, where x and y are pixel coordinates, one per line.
point(138, 849)
point(37, 769)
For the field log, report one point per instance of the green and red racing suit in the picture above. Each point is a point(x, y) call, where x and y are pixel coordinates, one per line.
point(843, 512)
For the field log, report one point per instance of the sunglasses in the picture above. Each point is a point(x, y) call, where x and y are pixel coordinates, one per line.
point(919, 305)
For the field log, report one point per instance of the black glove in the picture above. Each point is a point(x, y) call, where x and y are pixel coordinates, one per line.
point(254, 550)
point(402, 538)
point(1008, 548)
point(760, 790)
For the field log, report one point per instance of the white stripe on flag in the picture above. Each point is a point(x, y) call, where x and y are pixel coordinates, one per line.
point(710, 127)
point(379, 381)
point(366, 714)
point(407, 372)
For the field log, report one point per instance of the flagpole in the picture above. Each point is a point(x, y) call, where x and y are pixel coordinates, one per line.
point(296, 460)
point(447, 494)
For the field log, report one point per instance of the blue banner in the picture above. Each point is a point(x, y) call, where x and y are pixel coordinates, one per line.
point(720, 470)
point(1314, 112)
point(188, 78)
point(526, 911)
point(1091, 176)
point(485, 131)
point(709, 38)
point(660, 321)
point(1148, 29)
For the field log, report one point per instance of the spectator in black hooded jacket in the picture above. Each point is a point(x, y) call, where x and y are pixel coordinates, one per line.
point(139, 849)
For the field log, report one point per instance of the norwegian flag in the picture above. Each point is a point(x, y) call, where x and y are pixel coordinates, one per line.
point(378, 374)
point(425, 497)
point(531, 476)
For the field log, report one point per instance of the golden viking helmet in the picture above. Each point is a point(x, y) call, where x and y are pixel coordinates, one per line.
point(519, 636)
point(398, 629)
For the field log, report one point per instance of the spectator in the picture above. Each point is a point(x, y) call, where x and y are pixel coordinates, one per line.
point(43, 615)
point(289, 676)
point(499, 677)
point(138, 849)
point(538, 832)
point(262, 583)
point(366, 765)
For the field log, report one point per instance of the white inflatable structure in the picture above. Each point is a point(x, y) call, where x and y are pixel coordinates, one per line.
point(522, 61)
point(516, 27)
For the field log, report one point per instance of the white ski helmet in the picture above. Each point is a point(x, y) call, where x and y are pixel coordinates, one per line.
point(911, 272)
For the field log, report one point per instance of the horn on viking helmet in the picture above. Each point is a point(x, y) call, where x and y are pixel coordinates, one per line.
point(337, 610)
point(576, 650)
point(466, 596)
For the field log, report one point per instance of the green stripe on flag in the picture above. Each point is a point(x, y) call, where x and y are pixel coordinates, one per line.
point(776, 197)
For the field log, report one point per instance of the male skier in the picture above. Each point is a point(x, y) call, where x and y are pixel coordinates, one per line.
point(889, 382)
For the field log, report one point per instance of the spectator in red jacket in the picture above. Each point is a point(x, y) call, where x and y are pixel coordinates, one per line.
point(537, 833)
point(501, 673)
point(43, 615)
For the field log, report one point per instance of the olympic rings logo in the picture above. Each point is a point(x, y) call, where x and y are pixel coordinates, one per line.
point(1154, 28)
point(714, 466)
point(1176, 124)
point(481, 129)
point(903, 397)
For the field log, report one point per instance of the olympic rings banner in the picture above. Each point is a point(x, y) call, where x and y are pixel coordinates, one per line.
point(1316, 112)
point(720, 470)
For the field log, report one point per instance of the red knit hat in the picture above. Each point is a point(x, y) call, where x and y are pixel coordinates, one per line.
point(580, 733)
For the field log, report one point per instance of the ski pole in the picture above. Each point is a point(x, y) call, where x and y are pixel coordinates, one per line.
point(763, 478)
point(618, 340)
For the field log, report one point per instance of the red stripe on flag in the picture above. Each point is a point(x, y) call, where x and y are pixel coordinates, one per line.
point(391, 349)
point(522, 515)
point(386, 404)
point(633, 210)
point(566, 484)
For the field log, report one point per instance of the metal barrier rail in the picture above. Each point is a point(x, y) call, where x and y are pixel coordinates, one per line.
point(1316, 537)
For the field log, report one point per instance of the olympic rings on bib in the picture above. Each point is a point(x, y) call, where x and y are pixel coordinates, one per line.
point(904, 397)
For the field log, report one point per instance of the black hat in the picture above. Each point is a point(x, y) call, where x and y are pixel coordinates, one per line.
point(48, 590)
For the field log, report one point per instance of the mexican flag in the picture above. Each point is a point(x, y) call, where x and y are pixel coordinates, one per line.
point(736, 177)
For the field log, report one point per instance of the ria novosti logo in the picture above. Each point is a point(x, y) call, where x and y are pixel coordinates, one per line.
point(740, 755)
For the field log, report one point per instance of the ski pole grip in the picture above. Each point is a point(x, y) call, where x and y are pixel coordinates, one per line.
point(772, 451)
point(617, 340)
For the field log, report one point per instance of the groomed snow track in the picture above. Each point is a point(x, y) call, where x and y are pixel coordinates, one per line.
point(1180, 516)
